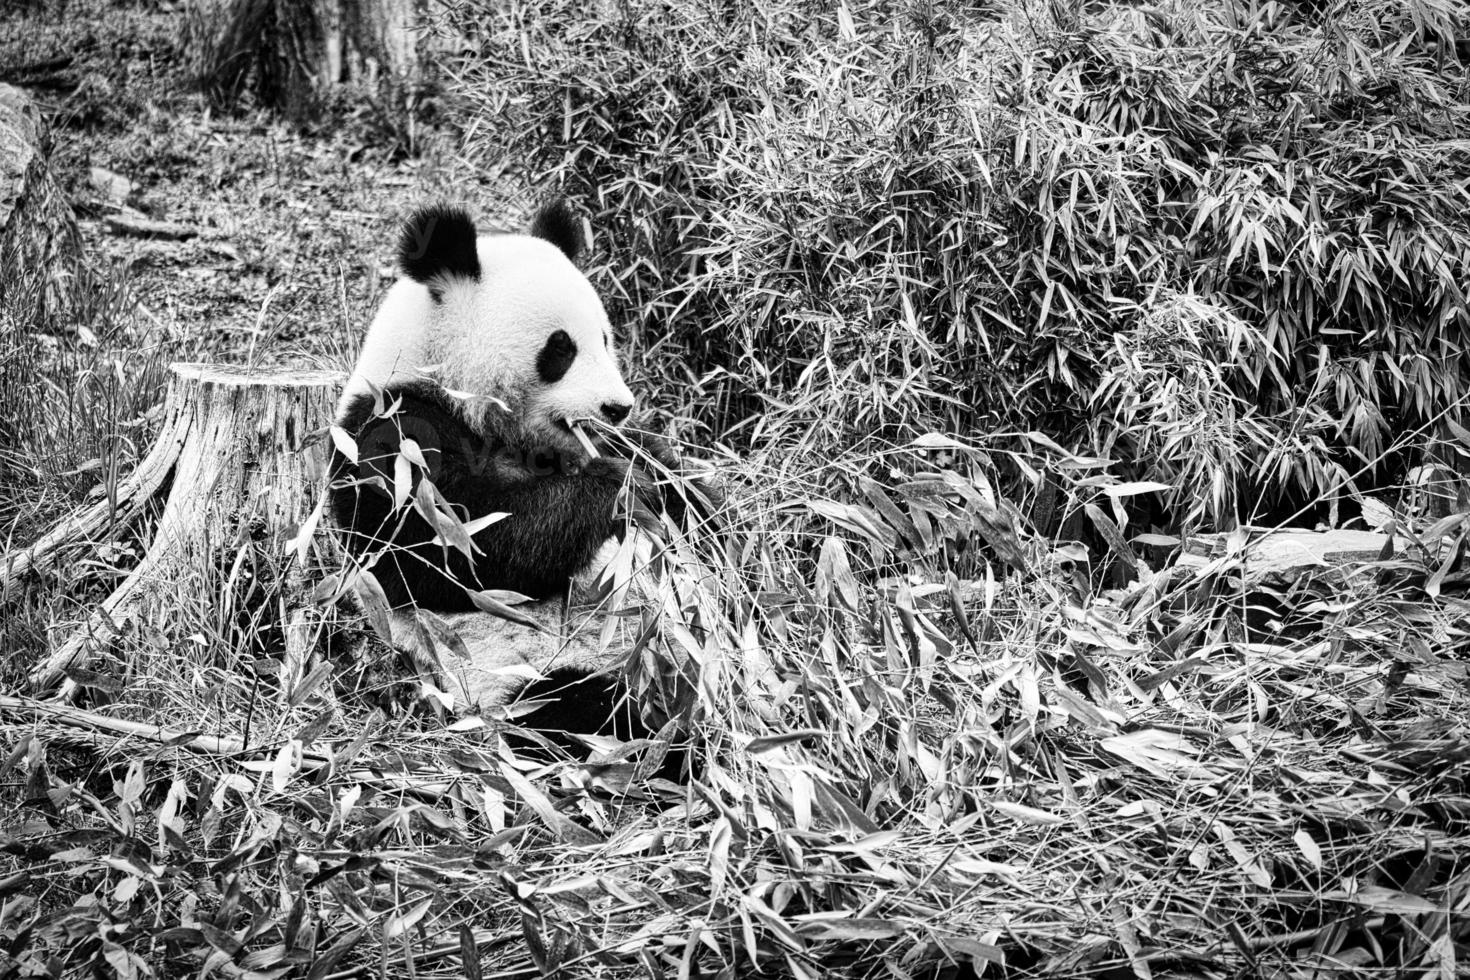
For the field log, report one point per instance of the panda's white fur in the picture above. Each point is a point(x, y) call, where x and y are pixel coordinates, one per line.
point(481, 336)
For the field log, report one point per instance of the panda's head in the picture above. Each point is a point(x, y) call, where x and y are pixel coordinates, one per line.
point(511, 317)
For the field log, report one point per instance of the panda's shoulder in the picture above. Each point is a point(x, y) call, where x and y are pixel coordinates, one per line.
point(461, 461)
point(419, 399)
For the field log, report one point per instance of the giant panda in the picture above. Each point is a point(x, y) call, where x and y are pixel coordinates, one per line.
point(487, 353)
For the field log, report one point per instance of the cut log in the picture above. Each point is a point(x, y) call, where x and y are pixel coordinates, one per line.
point(244, 449)
point(1291, 551)
point(242, 455)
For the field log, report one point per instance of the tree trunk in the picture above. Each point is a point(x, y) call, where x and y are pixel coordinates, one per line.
point(245, 454)
point(291, 53)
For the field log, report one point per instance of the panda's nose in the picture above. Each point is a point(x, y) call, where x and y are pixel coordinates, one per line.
point(615, 412)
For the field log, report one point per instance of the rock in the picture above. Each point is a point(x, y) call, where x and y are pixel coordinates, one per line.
point(38, 231)
point(113, 188)
point(490, 660)
point(140, 227)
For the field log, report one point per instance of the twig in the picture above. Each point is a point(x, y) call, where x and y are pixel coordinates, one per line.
point(46, 67)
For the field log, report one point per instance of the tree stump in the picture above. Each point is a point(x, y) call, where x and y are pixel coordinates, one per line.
point(238, 448)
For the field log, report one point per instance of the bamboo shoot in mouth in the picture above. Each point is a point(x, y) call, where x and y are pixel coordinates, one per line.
point(575, 425)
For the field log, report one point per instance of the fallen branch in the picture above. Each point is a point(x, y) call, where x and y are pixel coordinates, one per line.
point(101, 521)
point(431, 786)
point(78, 718)
point(139, 226)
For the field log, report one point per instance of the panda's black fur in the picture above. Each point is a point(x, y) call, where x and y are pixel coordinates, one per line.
point(438, 241)
point(558, 225)
point(561, 510)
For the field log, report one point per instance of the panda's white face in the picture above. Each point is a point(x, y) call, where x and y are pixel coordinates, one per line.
point(532, 332)
point(508, 317)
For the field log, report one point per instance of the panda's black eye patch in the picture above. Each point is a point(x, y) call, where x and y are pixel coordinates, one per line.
point(556, 357)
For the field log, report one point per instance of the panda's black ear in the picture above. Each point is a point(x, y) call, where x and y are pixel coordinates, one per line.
point(557, 224)
point(438, 242)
